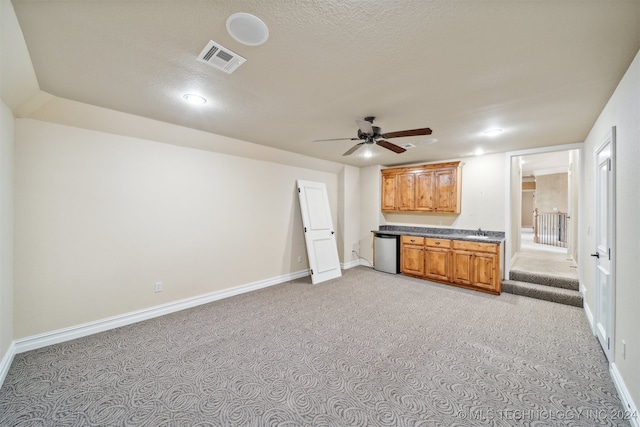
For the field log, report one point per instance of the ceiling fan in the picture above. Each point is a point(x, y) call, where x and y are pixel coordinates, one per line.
point(370, 134)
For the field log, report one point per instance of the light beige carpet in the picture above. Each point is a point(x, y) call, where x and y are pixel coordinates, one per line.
point(368, 349)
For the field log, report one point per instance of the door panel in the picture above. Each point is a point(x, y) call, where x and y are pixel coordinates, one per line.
point(462, 267)
point(406, 192)
point(320, 237)
point(484, 269)
point(388, 192)
point(604, 227)
point(437, 263)
point(424, 191)
point(413, 259)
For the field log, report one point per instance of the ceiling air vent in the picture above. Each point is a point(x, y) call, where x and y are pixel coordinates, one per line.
point(407, 146)
point(220, 57)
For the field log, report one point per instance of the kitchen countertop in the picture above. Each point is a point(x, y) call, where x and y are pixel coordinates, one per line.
point(441, 233)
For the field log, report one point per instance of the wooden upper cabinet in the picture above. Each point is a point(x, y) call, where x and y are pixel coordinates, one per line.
point(388, 192)
point(424, 191)
point(426, 188)
point(405, 191)
point(445, 183)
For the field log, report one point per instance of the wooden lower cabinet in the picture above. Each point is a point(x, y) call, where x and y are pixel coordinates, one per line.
point(473, 265)
point(412, 256)
point(437, 259)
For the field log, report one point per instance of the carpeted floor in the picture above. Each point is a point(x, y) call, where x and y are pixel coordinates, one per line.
point(368, 349)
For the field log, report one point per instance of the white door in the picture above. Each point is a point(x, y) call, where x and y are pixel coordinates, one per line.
point(604, 234)
point(319, 234)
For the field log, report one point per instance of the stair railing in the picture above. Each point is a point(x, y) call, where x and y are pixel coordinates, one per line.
point(550, 228)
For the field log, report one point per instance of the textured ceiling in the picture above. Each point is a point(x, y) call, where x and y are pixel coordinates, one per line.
point(540, 70)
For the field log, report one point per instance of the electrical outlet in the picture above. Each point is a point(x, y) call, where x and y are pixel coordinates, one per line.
point(356, 247)
point(299, 259)
point(158, 287)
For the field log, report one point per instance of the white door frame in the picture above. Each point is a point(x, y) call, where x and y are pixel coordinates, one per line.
point(508, 156)
point(604, 310)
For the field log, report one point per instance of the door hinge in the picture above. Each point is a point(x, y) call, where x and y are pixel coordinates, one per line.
point(609, 254)
point(312, 271)
point(298, 189)
point(608, 343)
point(305, 229)
point(609, 164)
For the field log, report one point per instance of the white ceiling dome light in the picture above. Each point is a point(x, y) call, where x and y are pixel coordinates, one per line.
point(492, 132)
point(192, 98)
point(247, 29)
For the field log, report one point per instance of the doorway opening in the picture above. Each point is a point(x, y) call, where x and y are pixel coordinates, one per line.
point(543, 238)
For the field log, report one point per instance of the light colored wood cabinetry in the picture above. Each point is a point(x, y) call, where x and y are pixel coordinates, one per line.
point(388, 192)
point(426, 188)
point(468, 264)
point(477, 265)
point(405, 191)
point(437, 259)
point(412, 256)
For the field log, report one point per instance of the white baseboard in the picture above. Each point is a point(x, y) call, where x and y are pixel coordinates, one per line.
point(356, 263)
point(61, 335)
point(5, 363)
point(628, 404)
point(587, 312)
point(350, 264)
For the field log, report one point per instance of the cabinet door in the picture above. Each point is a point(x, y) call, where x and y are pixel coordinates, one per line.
point(437, 264)
point(444, 187)
point(424, 191)
point(412, 260)
point(462, 267)
point(484, 271)
point(388, 192)
point(405, 192)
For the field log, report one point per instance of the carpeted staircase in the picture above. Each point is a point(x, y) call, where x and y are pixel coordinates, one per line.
point(562, 290)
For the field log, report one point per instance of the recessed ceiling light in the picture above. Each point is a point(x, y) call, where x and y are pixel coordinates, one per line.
point(247, 29)
point(194, 99)
point(429, 141)
point(478, 152)
point(492, 132)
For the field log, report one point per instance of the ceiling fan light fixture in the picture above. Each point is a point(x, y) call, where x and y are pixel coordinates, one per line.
point(492, 132)
point(194, 99)
point(247, 29)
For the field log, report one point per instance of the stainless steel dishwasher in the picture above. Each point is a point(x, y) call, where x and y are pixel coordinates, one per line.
point(387, 253)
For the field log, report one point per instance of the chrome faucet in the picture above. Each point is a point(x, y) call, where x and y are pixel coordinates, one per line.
point(480, 232)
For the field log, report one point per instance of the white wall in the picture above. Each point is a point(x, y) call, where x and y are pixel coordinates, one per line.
point(483, 200)
point(370, 217)
point(100, 218)
point(622, 111)
point(552, 192)
point(6, 228)
point(348, 214)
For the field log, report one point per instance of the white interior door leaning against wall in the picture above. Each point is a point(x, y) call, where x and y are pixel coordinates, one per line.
point(319, 234)
point(604, 255)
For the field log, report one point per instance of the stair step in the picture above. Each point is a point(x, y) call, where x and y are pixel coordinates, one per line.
point(546, 280)
point(543, 292)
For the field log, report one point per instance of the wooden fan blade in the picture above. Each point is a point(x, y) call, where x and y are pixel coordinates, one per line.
point(365, 126)
point(336, 139)
point(354, 148)
point(389, 146)
point(412, 132)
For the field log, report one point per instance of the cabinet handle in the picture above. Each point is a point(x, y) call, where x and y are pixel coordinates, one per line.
point(437, 243)
point(412, 240)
